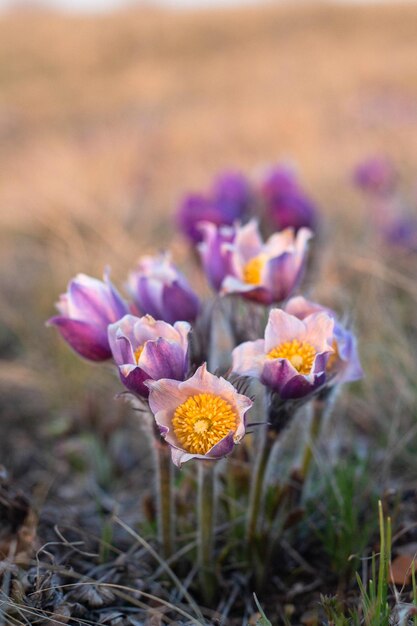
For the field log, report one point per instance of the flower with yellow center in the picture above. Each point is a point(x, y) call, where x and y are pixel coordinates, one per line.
point(202, 417)
point(343, 364)
point(202, 421)
point(263, 271)
point(291, 360)
point(299, 353)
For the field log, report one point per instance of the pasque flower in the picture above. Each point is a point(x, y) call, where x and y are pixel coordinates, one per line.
point(202, 417)
point(343, 365)
point(86, 310)
point(292, 358)
point(376, 176)
point(144, 348)
point(160, 290)
point(265, 272)
point(287, 204)
point(401, 231)
point(226, 202)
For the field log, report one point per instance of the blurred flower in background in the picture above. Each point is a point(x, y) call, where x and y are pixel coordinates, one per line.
point(286, 203)
point(389, 210)
point(227, 201)
point(266, 272)
point(376, 176)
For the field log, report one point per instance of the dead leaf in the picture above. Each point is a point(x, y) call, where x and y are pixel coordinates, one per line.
point(401, 569)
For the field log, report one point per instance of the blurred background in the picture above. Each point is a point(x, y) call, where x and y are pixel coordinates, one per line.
point(110, 111)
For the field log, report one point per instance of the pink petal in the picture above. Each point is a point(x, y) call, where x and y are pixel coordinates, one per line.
point(248, 358)
point(282, 327)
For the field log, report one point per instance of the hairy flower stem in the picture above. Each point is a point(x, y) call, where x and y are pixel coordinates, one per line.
point(319, 406)
point(205, 547)
point(165, 500)
point(266, 444)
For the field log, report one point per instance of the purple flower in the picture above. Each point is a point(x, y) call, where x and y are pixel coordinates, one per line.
point(146, 349)
point(376, 176)
point(226, 202)
point(292, 358)
point(86, 310)
point(266, 272)
point(343, 365)
point(401, 231)
point(215, 252)
point(287, 205)
point(202, 417)
point(160, 290)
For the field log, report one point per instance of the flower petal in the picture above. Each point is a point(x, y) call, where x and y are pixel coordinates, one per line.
point(248, 358)
point(282, 327)
point(248, 241)
point(319, 331)
point(134, 378)
point(88, 340)
point(179, 303)
point(282, 275)
point(164, 359)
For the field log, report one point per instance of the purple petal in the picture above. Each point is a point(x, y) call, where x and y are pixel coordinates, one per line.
point(280, 376)
point(120, 345)
point(164, 359)
point(222, 448)
point(293, 210)
point(179, 303)
point(300, 386)
point(148, 296)
point(134, 379)
point(349, 368)
point(118, 304)
point(215, 254)
point(88, 340)
point(89, 304)
point(276, 373)
point(283, 274)
point(194, 208)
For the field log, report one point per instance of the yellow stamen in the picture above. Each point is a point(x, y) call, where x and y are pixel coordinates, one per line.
point(137, 353)
point(202, 421)
point(252, 272)
point(300, 353)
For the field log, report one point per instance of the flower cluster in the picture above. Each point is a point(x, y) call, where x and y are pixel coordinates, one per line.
point(277, 198)
point(163, 339)
point(304, 347)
